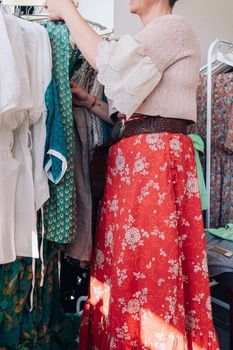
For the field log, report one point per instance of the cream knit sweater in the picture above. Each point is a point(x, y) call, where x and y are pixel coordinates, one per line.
point(156, 72)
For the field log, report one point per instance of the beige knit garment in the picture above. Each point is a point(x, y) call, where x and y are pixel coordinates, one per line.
point(156, 72)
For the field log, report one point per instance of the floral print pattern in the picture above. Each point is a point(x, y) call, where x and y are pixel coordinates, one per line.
point(149, 281)
point(41, 329)
point(221, 194)
point(61, 208)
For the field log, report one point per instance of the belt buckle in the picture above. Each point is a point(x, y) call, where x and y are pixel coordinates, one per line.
point(118, 129)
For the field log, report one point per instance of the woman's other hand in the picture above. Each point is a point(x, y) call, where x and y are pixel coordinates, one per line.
point(81, 98)
point(58, 10)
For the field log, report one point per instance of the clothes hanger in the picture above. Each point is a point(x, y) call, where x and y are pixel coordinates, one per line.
point(40, 3)
point(225, 58)
point(28, 3)
point(222, 59)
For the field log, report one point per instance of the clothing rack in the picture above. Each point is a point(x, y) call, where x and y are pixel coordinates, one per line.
point(29, 3)
point(96, 25)
point(102, 30)
point(216, 46)
point(37, 3)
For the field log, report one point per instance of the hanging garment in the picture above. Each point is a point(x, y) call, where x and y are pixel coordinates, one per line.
point(17, 43)
point(221, 196)
point(26, 151)
point(228, 144)
point(9, 169)
point(26, 243)
point(13, 118)
point(60, 209)
point(74, 59)
point(83, 78)
point(10, 88)
point(55, 159)
point(199, 147)
point(44, 327)
point(81, 248)
point(86, 77)
point(96, 89)
point(38, 127)
point(39, 62)
point(9, 82)
point(31, 52)
point(24, 212)
point(88, 134)
point(149, 284)
point(41, 329)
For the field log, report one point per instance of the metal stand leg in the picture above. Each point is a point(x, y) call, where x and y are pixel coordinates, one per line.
point(231, 319)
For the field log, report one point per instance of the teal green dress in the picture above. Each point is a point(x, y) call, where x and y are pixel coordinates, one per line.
point(55, 159)
point(60, 210)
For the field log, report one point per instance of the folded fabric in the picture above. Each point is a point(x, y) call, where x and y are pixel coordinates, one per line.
point(217, 263)
point(223, 232)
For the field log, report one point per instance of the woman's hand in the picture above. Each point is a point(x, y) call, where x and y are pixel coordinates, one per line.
point(85, 37)
point(81, 98)
point(58, 10)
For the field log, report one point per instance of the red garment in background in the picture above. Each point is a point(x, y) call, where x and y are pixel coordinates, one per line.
point(149, 284)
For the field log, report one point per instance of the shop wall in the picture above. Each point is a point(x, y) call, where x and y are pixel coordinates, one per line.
point(101, 11)
point(210, 19)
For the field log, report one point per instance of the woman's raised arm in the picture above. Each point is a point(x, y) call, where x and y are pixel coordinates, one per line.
point(84, 36)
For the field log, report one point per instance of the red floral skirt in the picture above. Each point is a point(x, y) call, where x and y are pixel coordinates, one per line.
point(149, 285)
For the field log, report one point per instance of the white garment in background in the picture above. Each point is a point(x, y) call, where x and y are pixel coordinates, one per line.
point(9, 79)
point(38, 129)
point(39, 61)
point(8, 178)
point(26, 241)
point(9, 99)
point(24, 101)
point(26, 47)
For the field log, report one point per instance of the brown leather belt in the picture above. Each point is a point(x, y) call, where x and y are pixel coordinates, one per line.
point(121, 130)
point(149, 125)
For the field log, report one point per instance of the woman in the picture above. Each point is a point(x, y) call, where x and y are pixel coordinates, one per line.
point(149, 280)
